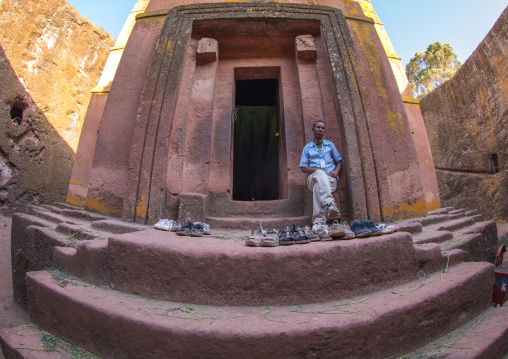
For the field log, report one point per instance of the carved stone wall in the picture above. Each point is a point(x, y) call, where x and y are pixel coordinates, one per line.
point(50, 59)
point(466, 120)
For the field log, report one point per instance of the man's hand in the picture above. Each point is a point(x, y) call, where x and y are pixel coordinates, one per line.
point(333, 173)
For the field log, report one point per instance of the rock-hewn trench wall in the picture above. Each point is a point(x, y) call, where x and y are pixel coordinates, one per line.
point(466, 120)
point(50, 59)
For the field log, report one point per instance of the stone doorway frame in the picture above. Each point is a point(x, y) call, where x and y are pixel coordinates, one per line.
point(146, 198)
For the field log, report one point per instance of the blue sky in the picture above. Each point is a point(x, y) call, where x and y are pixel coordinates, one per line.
point(411, 25)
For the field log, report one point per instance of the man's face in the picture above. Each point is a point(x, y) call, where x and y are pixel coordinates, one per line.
point(319, 130)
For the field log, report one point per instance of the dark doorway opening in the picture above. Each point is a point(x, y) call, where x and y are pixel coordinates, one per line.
point(16, 114)
point(256, 141)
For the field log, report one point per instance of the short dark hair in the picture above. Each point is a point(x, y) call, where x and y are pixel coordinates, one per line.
point(314, 124)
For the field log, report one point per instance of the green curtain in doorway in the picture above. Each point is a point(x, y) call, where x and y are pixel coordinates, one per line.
point(256, 154)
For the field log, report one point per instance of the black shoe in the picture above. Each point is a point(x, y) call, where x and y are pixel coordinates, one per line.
point(286, 236)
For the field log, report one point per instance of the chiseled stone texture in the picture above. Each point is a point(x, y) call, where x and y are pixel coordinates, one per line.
point(466, 121)
point(51, 58)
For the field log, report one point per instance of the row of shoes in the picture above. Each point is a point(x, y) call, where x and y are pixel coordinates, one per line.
point(193, 229)
point(318, 232)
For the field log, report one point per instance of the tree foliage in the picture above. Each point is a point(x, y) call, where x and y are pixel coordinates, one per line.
point(427, 70)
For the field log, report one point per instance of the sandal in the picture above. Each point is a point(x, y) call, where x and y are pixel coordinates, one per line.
point(271, 239)
point(286, 236)
point(300, 236)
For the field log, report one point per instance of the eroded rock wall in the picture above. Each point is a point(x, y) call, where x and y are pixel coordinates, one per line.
point(50, 59)
point(466, 120)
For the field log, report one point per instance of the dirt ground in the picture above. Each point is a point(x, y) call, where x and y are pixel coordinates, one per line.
point(11, 315)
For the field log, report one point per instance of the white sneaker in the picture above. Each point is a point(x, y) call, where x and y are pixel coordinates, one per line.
point(206, 229)
point(164, 224)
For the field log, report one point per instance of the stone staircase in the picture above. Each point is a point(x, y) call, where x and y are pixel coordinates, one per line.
point(121, 290)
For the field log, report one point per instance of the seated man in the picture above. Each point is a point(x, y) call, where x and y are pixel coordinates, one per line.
point(322, 161)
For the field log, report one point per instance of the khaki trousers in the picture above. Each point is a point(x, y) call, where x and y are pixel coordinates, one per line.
point(322, 186)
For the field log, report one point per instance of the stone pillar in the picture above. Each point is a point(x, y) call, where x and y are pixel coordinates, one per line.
point(199, 128)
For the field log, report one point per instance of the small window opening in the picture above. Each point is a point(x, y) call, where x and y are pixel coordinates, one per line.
point(16, 115)
point(494, 163)
point(256, 141)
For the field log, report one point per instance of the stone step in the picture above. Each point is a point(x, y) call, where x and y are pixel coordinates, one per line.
point(478, 241)
point(428, 220)
point(431, 236)
point(109, 323)
point(35, 236)
point(280, 207)
point(53, 209)
point(162, 265)
point(68, 206)
point(50, 216)
point(410, 227)
point(471, 213)
point(432, 259)
point(484, 337)
point(251, 222)
point(441, 210)
point(453, 225)
point(28, 341)
point(456, 215)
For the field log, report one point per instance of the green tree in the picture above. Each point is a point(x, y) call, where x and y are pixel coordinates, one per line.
point(427, 70)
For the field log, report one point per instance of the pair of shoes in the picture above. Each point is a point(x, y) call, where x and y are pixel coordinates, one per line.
point(321, 230)
point(270, 238)
point(365, 229)
point(164, 224)
point(292, 235)
point(332, 212)
point(191, 229)
point(360, 229)
point(387, 228)
point(341, 231)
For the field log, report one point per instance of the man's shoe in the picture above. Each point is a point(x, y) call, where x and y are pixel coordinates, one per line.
point(184, 229)
point(206, 229)
point(164, 224)
point(313, 236)
point(387, 228)
point(322, 231)
point(375, 230)
point(196, 230)
point(286, 236)
point(336, 230)
point(360, 229)
point(332, 211)
point(349, 233)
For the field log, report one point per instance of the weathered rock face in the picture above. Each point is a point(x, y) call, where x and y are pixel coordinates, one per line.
point(466, 121)
point(50, 60)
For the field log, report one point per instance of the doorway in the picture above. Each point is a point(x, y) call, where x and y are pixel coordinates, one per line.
point(256, 141)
